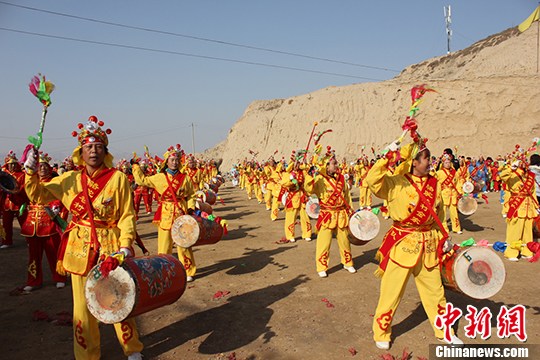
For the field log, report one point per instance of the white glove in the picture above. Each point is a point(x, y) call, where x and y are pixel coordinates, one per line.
point(31, 163)
point(394, 146)
point(515, 164)
point(127, 253)
point(448, 245)
point(55, 210)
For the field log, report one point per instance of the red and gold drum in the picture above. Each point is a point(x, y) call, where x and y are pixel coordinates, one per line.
point(207, 196)
point(204, 207)
point(137, 286)
point(475, 271)
point(363, 227)
point(192, 230)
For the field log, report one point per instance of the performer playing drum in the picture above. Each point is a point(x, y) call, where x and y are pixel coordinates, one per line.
point(100, 201)
point(177, 195)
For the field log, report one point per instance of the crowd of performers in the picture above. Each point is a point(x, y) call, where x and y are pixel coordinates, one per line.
point(86, 210)
point(419, 192)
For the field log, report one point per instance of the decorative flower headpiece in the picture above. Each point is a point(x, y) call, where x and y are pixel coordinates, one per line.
point(11, 158)
point(173, 151)
point(44, 158)
point(91, 132)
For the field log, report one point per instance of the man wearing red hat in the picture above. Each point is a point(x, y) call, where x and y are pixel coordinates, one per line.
point(42, 233)
point(103, 223)
point(12, 202)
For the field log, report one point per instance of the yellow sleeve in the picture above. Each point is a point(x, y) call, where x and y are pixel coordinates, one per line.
point(378, 180)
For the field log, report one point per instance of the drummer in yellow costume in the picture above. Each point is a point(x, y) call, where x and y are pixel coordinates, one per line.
point(274, 183)
point(450, 192)
point(522, 208)
point(268, 182)
point(176, 194)
point(295, 203)
point(413, 244)
point(335, 206)
point(194, 173)
point(365, 200)
point(102, 225)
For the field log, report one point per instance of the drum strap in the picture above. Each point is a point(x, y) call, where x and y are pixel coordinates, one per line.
point(435, 217)
point(90, 210)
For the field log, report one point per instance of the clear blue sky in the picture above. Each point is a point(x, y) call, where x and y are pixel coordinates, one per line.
point(151, 98)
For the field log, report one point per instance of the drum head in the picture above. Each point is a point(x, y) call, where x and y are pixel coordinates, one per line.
point(467, 205)
point(313, 208)
point(364, 225)
point(468, 187)
point(110, 299)
point(479, 272)
point(284, 198)
point(263, 188)
point(185, 231)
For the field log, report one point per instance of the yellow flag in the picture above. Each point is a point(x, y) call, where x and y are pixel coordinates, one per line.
point(528, 22)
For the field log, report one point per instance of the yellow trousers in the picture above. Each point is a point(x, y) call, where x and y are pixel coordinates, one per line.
point(518, 234)
point(290, 220)
point(275, 208)
point(365, 197)
point(454, 218)
point(185, 255)
point(86, 339)
point(324, 240)
point(165, 244)
point(268, 199)
point(393, 284)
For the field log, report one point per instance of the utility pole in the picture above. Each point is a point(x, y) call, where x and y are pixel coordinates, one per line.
point(448, 21)
point(193, 139)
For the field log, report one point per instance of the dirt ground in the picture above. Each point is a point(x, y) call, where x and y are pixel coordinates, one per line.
point(277, 308)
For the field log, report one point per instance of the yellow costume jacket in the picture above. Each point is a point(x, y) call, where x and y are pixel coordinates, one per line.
point(114, 217)
point(520, 183)
point(180, 185)
point(414, 233)
point(450, 186)
point(334, 199)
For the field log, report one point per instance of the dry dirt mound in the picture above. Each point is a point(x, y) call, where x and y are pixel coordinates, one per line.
point(487, 102)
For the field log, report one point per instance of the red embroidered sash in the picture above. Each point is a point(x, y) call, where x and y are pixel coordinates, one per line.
point(416, 221)
point(169, 195)
point(330, 204)
point(81, 206)
point(517, 199)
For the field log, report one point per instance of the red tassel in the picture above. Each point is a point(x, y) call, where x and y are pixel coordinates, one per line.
point(108, 265)
point(535, 248)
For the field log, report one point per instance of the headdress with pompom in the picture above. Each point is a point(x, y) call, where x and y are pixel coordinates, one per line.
point(11, 158)
point(91, 133)
point(172, 151)
point(44, 158)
